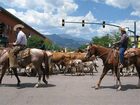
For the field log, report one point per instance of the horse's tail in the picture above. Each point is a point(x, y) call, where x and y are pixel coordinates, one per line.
point(47, 63)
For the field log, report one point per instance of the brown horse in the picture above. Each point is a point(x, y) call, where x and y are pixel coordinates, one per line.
point(110, 59)
point(36, 56)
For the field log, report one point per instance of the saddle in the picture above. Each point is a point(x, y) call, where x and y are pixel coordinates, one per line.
point(19, 58)
point(23, 54)
point(23, 57)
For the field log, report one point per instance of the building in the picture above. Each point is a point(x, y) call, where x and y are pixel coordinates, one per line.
point(7, 22)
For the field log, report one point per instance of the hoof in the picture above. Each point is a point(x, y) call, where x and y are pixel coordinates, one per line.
point(18, 85)
point(119, 88)
point(96, 87)
point(36, 86)
point(46, 82)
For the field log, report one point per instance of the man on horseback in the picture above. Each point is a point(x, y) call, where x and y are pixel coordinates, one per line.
point(19, 45)
point(122, 43)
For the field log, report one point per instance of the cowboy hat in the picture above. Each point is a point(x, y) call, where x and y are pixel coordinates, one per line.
point(122, 29)
point(18, 26)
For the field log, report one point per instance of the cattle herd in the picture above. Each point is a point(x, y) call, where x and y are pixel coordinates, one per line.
point(74, 63)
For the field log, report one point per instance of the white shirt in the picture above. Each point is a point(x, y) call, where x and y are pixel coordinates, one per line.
point(21, 38)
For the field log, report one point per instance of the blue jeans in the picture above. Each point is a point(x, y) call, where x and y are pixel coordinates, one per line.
point(122, 50)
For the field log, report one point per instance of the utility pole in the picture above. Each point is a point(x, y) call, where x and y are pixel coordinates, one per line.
point(135, 36)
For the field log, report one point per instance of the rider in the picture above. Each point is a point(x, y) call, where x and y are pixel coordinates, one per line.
point(19, 44)
point(123, 42)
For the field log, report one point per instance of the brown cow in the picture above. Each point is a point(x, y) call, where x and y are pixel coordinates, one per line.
point(56, 60)
point(76, 56)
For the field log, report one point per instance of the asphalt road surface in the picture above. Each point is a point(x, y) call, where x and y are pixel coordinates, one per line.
point(69, 90)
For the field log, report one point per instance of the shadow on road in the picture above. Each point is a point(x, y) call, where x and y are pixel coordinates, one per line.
point(124, 87)
point(129, 86)
point(27, 85)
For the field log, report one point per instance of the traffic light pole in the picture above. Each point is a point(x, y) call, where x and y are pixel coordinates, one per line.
point(83, 23)
point(135, 36)
point(103, 24)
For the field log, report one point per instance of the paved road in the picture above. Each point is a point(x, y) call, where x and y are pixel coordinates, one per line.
point(69, 90)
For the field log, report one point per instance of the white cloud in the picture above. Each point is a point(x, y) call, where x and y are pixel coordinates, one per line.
point(118, 3)
point(90, 17)
point(125, 4)
point(42, 15)
point(122, 4)
point(46, 15)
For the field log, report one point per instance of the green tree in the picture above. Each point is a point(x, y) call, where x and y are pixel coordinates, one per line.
point(108, 40)
point(103, 41)
point(33, 41)
point(82, 47)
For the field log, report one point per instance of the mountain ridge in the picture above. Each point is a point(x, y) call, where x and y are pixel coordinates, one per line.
point(68, 41)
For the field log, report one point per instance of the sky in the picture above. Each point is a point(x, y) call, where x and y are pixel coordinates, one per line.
point(46, 15)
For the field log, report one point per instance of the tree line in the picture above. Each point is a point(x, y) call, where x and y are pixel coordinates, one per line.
point(105, 40)
point(34, 42)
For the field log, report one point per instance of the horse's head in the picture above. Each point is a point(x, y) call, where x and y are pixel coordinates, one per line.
point(91, 50)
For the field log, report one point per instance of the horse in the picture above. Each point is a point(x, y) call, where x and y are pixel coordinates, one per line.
point(39, 59)
point(110, 59)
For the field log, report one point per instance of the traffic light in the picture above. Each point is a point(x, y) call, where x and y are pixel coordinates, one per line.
point(83, 23)
point(103, 24)
point(63, 22)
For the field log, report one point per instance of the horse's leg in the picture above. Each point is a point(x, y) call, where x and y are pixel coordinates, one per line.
point(66, 69)
point(132, 70)
point(117, 73)
point(95, 66)
point(121, 72)
point(105, 70)
point(39, 77)
point(4, 67)
point(16, 75)
point(44, 74)
point(138, 71)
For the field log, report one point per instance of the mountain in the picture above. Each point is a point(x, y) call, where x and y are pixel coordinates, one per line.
point(67, 40)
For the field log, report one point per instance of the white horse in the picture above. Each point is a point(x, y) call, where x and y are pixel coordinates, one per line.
point(39, 59)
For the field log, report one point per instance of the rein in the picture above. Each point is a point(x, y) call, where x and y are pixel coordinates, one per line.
point(103, 54)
